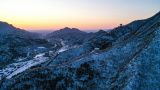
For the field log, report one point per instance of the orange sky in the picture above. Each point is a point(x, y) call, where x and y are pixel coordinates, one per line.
point(82, 14)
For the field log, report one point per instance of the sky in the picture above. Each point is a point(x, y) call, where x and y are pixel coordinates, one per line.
point(82, 14)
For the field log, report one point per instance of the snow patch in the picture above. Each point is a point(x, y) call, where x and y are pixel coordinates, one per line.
point(40, 47)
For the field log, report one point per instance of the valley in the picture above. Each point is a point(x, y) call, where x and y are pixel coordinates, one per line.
point(123, 58)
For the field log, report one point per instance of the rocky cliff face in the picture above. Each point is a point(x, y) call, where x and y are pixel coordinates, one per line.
point(128, 59)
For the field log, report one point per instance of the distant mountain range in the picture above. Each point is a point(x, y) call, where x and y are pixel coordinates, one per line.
point(66, 30)
point(45, 32)
point(71, 36)
point(124, 58)
point(42, 32)
point(8, 29)
point(15, 43)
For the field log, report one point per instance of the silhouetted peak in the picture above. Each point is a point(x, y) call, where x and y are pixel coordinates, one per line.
point(75, 29)
point(66, 28)
point(3, 22)
point(101, 31)
point(69, 29)
point(9, 29)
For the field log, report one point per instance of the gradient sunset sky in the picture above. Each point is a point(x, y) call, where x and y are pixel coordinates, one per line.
point(82, 14)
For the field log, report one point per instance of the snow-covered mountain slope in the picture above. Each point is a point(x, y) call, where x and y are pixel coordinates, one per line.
point(15, 43)
point(8, 29)
point(12, 47)
point(131, 60)
point(66, 30)
point(103, 40)
point(71, 36)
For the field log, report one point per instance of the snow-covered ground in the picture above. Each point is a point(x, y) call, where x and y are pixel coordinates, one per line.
point(15, 68)
point(39, 55)
point(64, 48)
point(20, 59)
point(40, 47)
point(55, 45)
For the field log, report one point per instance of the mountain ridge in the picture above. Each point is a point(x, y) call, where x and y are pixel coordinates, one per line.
point(9, 29)
point(128, 59)
point(66, 30)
